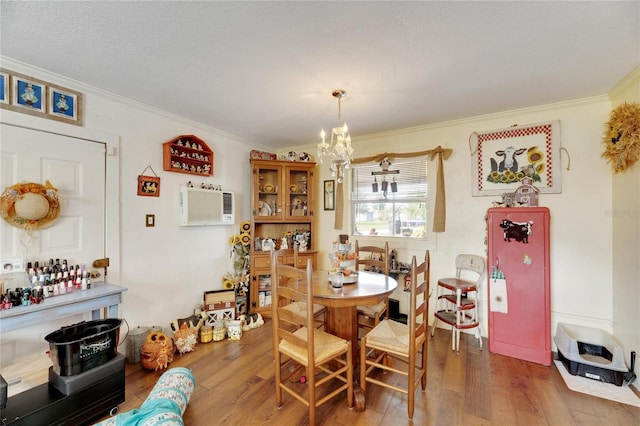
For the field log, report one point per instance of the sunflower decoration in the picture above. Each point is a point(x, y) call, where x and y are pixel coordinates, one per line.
point(494, 176)
point(245, 239)
point(240, 248)
point(622, 137)
point(228, 282)
point(536, 163)
point(508, 176)
point(533, 168)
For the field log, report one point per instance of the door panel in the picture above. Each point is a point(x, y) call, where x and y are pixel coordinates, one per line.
point(77, 168)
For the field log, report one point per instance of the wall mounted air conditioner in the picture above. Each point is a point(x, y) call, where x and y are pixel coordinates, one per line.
point(206, 207)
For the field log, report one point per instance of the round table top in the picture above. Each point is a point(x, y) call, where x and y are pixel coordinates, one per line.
point(370, 288)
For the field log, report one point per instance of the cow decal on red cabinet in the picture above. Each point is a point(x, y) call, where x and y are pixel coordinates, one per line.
point(519, 231)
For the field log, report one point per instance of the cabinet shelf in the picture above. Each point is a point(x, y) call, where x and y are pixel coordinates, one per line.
point(180, 156)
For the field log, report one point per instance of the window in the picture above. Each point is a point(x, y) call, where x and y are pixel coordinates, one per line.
point(402, 213)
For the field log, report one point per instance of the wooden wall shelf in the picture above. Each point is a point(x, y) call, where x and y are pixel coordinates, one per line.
point(187, 154)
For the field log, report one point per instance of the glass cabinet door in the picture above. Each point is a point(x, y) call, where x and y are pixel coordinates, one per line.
point(267, 202)
point(298, 202)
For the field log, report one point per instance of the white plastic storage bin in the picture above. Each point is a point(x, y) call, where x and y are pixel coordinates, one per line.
point(590, 352)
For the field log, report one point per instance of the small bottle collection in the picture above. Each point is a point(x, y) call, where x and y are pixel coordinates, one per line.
point(47, 280)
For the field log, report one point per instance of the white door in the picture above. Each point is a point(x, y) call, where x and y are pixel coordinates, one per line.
point(77, 168)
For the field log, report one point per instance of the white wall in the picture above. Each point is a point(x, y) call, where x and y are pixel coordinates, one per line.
point(626, 238)
point(581, 223)
point(167, 268)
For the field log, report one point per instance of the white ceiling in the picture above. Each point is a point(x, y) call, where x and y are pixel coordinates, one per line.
point(265, 71)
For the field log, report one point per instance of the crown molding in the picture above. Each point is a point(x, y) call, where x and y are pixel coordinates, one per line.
point(626, 85)
point(485, 117)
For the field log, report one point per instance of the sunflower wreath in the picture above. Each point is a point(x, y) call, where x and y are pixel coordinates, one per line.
point(622, 137)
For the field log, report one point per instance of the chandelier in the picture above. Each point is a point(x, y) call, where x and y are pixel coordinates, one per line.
point(339, 150)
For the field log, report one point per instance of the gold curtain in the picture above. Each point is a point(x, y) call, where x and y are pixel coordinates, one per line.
point(440, 209)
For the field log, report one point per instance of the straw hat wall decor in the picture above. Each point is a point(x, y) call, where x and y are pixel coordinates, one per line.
point(622, 137)
point(29, 205)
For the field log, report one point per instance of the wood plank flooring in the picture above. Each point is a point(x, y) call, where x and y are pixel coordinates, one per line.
point(235, 386)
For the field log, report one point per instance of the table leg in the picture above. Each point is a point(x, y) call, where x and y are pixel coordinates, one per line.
point(343, 322)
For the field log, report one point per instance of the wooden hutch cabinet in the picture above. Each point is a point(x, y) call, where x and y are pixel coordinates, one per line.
point(282, 205)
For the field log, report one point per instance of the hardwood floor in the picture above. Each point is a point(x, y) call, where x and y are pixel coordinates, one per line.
point(235, 386)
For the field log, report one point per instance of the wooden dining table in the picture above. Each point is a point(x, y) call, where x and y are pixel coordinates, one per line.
point(341, 303)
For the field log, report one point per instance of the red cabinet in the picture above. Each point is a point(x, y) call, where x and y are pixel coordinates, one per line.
point(519, 303)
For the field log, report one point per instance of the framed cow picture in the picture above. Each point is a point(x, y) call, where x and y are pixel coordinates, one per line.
point(501, 158)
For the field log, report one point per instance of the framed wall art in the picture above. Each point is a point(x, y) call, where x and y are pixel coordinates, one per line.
point(501, 158)
point(28, 94)
point(64, 104)
point(329, 195)
point(4, 88)
point(149, 186)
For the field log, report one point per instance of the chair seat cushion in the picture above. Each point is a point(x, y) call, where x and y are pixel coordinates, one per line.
point(372, 310)
point(326, 346)
point(299, 309)
point(391, 335)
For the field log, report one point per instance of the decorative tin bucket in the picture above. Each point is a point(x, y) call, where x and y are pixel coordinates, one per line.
point(235, 330)
point(135, 339)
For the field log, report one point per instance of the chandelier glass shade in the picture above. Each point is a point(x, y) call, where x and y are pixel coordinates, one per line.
point(338, 151)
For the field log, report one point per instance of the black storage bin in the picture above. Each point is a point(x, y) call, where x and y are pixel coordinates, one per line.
point(604, 375)
point(3, 392)
point(83, 346)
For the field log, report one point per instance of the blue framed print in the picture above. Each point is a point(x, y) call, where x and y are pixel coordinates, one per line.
point(4, 88)
point(28, 94)
point(64, 104)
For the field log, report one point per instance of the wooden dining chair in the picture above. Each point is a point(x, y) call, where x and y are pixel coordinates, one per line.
point(406, 343)
point(324, 357)
point(375, 259)
point(298, 309)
